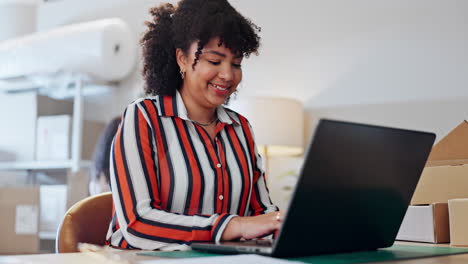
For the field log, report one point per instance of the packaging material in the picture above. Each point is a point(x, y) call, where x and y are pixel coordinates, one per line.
point(445, 176)
point(18, 132)
point(19, 220)
point(105, 49)
point(54, 135)
point(426, 223)
point(458, 209)
point(53, 206)
point(17, 18)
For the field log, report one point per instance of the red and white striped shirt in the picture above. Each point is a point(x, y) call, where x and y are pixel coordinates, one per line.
point(173, 185)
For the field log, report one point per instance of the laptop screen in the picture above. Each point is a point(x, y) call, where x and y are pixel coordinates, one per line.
point(356, 183)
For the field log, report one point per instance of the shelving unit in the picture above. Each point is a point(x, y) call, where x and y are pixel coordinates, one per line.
point(74, 80)
point(42, 165)
point(47, 235)
point(71, 166)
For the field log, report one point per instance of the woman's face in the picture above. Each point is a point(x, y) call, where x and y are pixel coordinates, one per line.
point(216, 74)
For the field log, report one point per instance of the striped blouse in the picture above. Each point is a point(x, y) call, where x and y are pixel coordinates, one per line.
point(173, 185)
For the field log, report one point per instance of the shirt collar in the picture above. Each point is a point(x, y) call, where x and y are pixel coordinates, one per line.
point(170, 106)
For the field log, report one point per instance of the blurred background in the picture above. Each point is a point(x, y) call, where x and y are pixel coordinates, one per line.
point(67, 68)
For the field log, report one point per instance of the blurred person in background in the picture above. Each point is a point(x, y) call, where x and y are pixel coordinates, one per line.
point(99, 178)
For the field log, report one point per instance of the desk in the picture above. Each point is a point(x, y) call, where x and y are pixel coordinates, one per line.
point(78, 258)
point(69, 258)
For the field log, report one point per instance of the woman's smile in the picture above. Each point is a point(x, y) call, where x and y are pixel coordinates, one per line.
point(219, 89)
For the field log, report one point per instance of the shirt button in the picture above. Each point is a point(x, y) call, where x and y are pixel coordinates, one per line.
point(218, 165)
point(221, 197)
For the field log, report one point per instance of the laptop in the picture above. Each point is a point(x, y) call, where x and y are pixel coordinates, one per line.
point(352, 193)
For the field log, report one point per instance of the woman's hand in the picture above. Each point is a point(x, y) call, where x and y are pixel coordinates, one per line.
point(249, 227)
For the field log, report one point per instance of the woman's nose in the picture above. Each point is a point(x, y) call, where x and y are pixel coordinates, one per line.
point(226, 73)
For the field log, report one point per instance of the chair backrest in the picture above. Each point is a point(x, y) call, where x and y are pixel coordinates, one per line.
point(87, 221)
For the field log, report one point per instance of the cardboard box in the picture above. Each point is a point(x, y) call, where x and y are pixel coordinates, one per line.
point(92, 130)
point(458, 209)
point(13, 178)
point(18, 133)
point(19, 220)
point(54, 137)
point(426, 223)
point(77, 186)
point(445, 176)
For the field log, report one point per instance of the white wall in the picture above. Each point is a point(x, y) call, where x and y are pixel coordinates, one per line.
point(359, 60)
point(438, 116)
point(403, 64)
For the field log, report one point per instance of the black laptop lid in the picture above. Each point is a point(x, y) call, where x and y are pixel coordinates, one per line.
point(355, 186)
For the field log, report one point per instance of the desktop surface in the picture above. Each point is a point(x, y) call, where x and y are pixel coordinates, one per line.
point(133, 256)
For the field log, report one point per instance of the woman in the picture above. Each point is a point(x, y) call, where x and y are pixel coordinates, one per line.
point(99, 177)
point(183, 167)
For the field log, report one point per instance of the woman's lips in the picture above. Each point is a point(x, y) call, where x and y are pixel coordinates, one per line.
point(219, 89)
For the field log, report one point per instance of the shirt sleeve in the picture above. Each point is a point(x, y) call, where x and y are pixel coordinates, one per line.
point(260, 201)
point(143, 222)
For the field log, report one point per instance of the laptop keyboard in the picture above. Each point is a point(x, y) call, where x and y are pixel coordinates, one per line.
point(267, 243)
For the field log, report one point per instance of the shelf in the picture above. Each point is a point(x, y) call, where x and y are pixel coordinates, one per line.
point(41, 165)
point(47, 235)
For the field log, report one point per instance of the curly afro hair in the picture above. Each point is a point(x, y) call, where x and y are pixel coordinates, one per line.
point(178, 27)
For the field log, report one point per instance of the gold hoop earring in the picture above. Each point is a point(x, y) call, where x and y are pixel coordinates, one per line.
point(182, 74)
point(235, 94)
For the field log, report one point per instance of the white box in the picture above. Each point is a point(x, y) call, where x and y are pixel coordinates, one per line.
point(425, 223)
point(53, 206)
point(54, 137)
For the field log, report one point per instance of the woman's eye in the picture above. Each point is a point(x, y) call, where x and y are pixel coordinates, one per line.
point(236, 65)
point(214, 62)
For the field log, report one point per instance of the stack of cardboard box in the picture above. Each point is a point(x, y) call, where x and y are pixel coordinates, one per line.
point(437, 214)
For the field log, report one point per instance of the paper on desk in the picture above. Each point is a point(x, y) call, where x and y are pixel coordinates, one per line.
point(229, 259)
